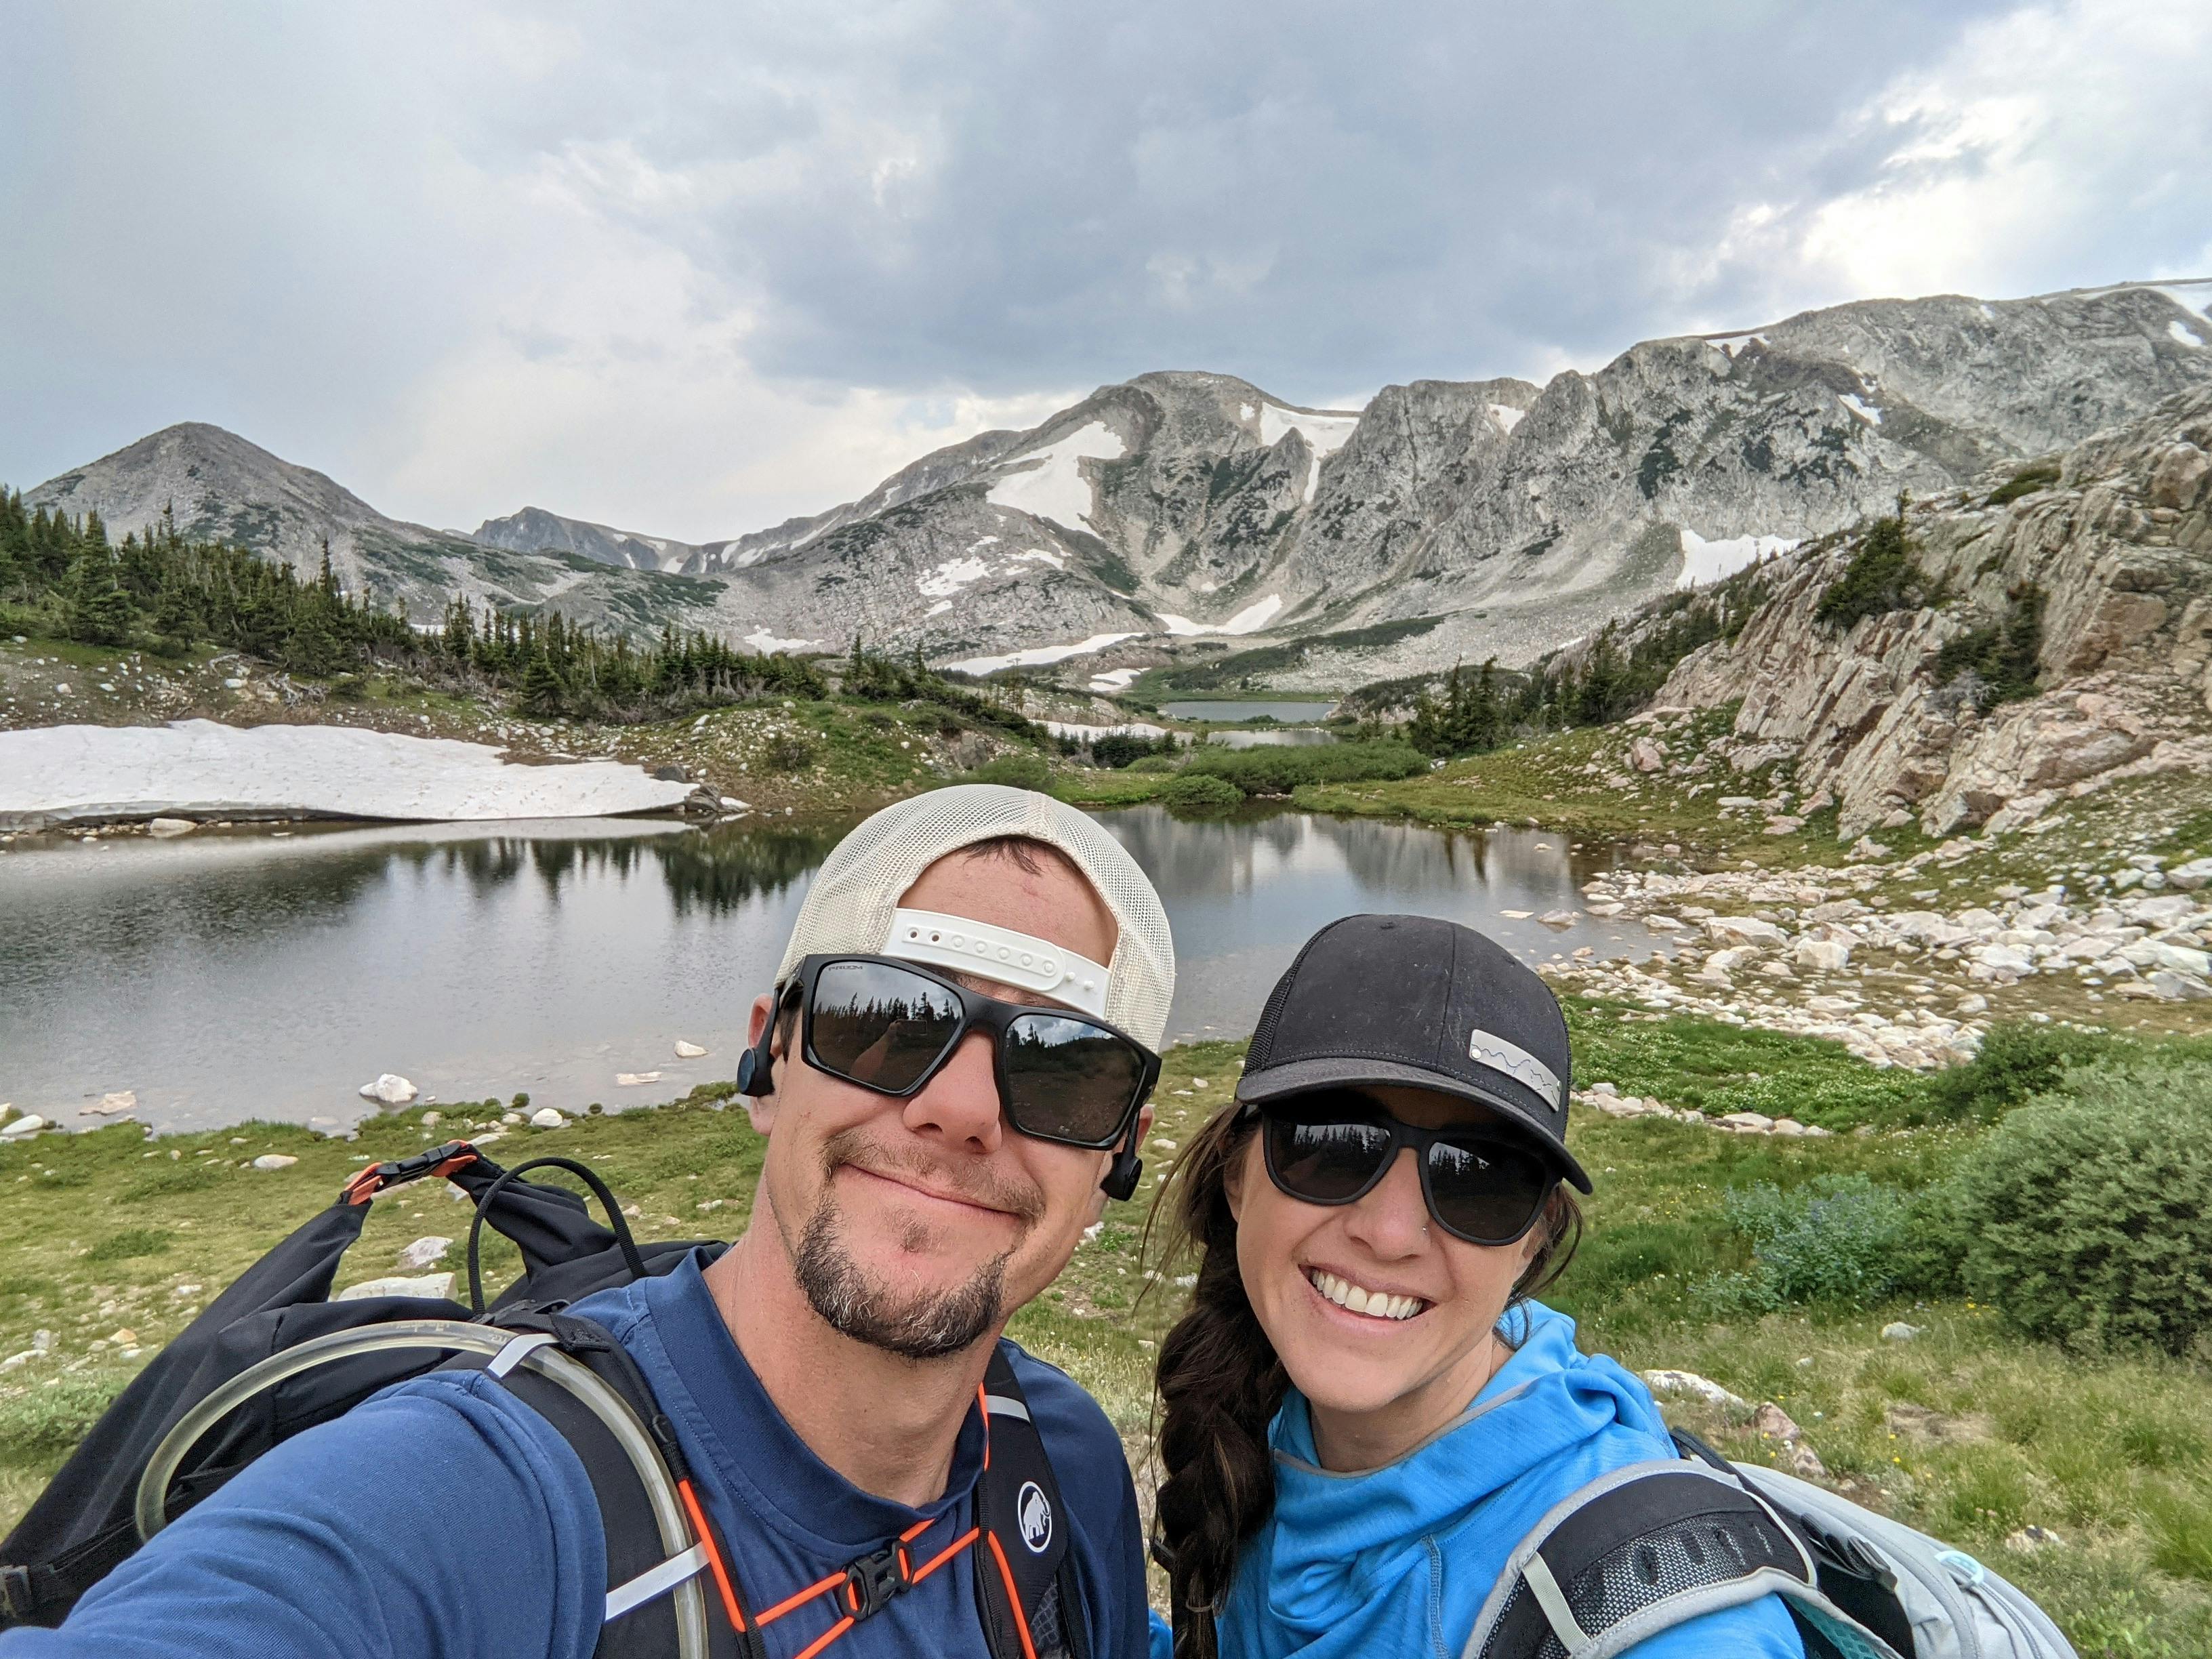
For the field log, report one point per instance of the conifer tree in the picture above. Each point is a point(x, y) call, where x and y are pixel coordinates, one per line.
point(99, 611)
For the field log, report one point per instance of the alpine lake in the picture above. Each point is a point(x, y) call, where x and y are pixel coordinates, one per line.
point(239, 974)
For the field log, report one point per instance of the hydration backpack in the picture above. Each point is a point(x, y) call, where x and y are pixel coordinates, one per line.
point(272, 1356)
point(1645, 1547)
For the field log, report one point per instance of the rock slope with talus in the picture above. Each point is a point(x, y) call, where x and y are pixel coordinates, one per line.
point(2119, 543)
point(1446, 519)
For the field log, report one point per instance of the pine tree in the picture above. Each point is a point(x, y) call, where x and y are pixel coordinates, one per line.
point(99, 611)
point(542, 694)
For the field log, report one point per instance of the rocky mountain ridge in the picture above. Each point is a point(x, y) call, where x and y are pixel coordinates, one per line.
point(2117, 540)
point(1445, 520)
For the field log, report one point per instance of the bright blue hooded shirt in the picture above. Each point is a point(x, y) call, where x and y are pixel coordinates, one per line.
point(1401, 1559)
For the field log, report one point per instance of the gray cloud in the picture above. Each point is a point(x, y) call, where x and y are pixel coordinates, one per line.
point(697, 266)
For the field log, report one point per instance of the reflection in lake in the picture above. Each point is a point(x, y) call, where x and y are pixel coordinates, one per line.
point(236, 975)
point(1288, 712)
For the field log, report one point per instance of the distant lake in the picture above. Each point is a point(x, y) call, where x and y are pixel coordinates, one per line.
point(240, 973)
point(1290, 714)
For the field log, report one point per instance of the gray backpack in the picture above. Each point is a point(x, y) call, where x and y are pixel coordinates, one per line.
point(1648, 1546)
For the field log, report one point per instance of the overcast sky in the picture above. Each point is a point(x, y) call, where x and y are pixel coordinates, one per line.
point(692, 268)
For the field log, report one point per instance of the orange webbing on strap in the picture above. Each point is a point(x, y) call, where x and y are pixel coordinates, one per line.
point(841, 1582)
point(1013, 1597)
point(714, 1555)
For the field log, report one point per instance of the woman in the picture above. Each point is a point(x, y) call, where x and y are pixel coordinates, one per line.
point(1363, 1412)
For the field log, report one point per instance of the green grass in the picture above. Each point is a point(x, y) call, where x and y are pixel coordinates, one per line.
point(1968, 1431)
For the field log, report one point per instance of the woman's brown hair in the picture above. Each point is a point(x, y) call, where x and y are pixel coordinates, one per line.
point(1220, 1383)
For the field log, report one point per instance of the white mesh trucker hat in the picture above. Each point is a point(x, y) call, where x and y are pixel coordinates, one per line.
point(854, 905)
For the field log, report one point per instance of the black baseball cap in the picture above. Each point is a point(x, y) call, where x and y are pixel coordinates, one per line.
point(1423, 1002)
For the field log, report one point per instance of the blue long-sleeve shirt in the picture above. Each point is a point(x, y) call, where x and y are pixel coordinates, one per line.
point(444, 1519)
point(1398, 1560)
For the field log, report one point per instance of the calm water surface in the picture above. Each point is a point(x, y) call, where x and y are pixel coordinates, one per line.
point(1288, 713)
point(233, 975)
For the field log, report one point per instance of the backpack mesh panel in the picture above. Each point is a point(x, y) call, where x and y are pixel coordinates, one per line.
point(1846, 1637)
point(1688, 1555)
point(1045, 1633)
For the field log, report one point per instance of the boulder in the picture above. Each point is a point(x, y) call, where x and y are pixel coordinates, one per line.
point(424, 1252)
point(1823, 955)
point(1743, 930)
point(547, 1117)
point(23, 1128)
point(390, 1088)
point(1691, 1386)
point(123, 1100)
point(1898, 1331)
point(1646, 756)
point(689, 1050)
point(275, 1161)
point(167, 827)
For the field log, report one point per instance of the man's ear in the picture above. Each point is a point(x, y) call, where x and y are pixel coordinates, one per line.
point(760, 1108)
point(1144, 1121)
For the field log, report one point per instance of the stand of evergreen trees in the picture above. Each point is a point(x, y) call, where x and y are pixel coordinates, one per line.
point(161, 592)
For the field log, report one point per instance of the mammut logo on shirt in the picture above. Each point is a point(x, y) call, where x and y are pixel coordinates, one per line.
point(1034, 1514)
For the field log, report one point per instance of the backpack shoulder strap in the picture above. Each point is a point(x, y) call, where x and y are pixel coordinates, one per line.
point(1639, 1550)
point(1026, 1585)
point(642, 1618)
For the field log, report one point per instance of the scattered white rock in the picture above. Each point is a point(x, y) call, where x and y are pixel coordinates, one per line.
point(23, 1128)
point(275, 1161)
point(165, 827)
point(429, 1285)
point(1898, 1331)
point(391, 1088)
point(547, 1117)
point(2028, 1540)
point(123, 1100)
point(1697, 1388)
point(633, 1080)
point(1559, 918)
point(689, 1050)
point(424, 1252)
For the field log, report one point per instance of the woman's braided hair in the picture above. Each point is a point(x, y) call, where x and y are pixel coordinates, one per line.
point(1220, 1383)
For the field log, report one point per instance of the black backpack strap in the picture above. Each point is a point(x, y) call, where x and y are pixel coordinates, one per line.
point(1026, 1585)
point(642, 1620)
point(1635, 1551)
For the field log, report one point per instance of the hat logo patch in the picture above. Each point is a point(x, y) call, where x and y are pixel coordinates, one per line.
point(1033, 1513)
point(1516, 1062)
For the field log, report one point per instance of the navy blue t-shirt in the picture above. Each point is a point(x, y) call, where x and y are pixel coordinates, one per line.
point(444, 1519)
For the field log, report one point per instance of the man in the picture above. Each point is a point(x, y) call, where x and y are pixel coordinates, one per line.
point(954, 1060)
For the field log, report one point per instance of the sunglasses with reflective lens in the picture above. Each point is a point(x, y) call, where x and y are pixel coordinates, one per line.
point(890, 1026)
point(1334, 1147)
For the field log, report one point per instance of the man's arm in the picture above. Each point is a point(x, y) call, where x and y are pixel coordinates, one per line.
point(443, 1520)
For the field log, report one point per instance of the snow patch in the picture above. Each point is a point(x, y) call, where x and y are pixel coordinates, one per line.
point(951, 576)
point(1989, 311)
point(1507, 417)
point(762, 640)
point(1324, 432)
point(201, 769)
point(1245, 411)
point(1055, 487)
point(1865, 411)
point(2181, 331)
point(937, 610)
point(980, 543)
point(2190, 296)
point(1114, 679)
point(1038, 556)
point(1706, 562)
point(1250, 620)
point(1037, 655)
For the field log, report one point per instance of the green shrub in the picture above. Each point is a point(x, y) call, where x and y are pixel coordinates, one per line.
point(1201, 791)
point(2004, 657)
point(2088, 1214)
point(2036, 475)
point(2017, 1062)
point(1120, 749)
point(1017, 771)
point(129, 1245)
point(1881, 577)
point(1277, 768)
point(788, 752)
point(1156, 763)
point(1835, 1242)
point(46, 1422)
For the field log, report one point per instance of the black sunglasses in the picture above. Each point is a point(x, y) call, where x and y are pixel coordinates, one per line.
point(1335, 1147)
point(890, 1026)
